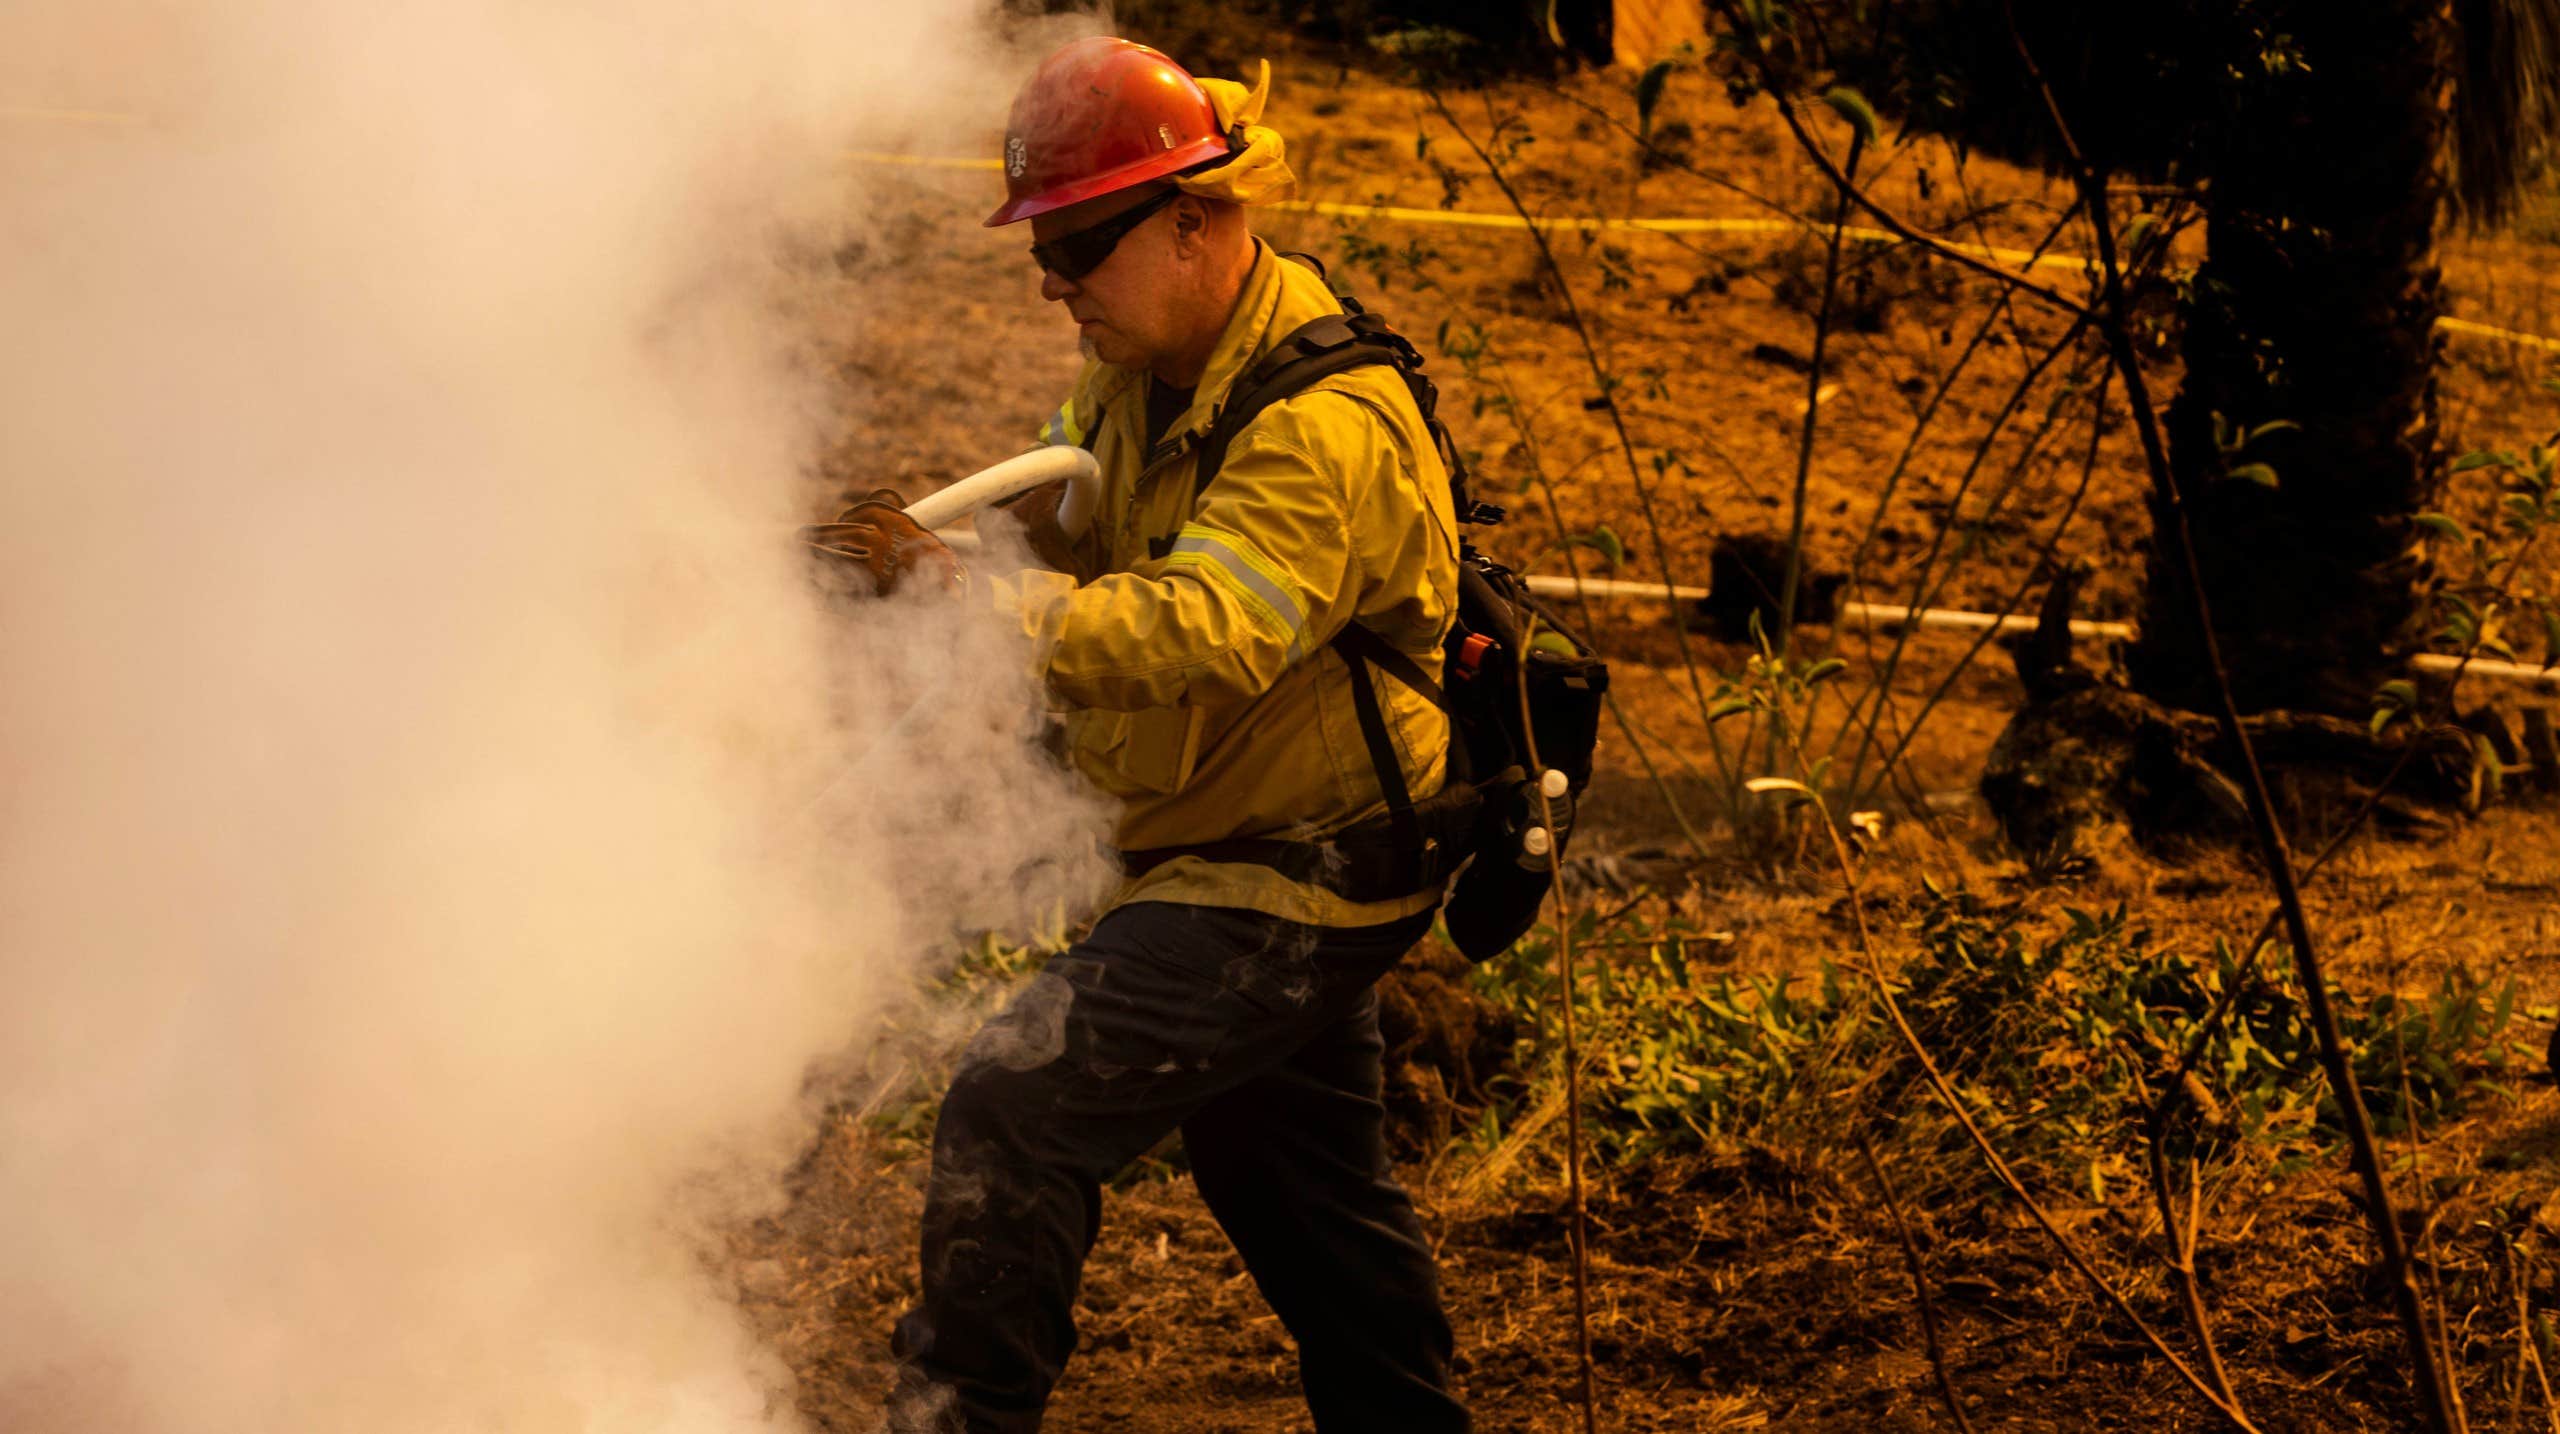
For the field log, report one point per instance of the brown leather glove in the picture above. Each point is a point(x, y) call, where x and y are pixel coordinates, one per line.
point(877, 536)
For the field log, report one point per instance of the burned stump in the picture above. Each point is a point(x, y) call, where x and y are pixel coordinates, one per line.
point(1746, 573)
point(2085, 757)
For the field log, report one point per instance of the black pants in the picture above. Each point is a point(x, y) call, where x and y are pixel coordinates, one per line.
point(1258, 1039)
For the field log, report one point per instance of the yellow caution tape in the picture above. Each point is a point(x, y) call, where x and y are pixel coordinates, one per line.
point(1462, 219)
point(1589, 225)
point(2020, 258)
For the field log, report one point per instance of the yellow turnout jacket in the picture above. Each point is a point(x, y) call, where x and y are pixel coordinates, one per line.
point(1188, 646)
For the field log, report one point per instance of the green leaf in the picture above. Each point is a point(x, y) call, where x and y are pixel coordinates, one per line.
point(2258, 473)
point(1730, 706)
point(2481, 458)
point(1824, 670)
point(2398, 693)
point(1649, 87)
point(2443, 526)
point(1852, 107)
point(1606, 539)
point(2550, 635)
point(2280, 425)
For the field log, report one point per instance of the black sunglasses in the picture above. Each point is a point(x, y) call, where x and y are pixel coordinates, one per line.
point(1072, 256)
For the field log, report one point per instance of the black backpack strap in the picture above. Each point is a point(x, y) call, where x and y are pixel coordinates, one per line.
point(1382, 755)
point(1359, 648)
point(1316, 351)
point(1308, 355)
point(1355, 642)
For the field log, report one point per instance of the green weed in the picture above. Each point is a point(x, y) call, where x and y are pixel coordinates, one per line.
point(2058, 1028)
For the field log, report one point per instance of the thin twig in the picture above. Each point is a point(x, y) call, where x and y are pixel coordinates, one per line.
point(1924, 590)
point(2182, 1235)
point(1662, 788)
point(2529, 1350)
point(2002, 307)
point(2017, 597)
point(1813, 405)
point(1982, 237)
point(1758, 54)
point(1928, 413)
point(2528, 1354)
point(2430, 1263)
point(1991, 1157)
point(2365, 1153)
point(2542, 1377)
point(1919, 1285)
point(1617, 420)
point(1572, 1061)
point(1674, 160)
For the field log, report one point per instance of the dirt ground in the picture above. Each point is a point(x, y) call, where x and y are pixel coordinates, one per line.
point(1756, 1287)
point(1761, 1286)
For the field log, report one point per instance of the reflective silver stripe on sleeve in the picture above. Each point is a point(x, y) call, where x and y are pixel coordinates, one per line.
point(1281, 609)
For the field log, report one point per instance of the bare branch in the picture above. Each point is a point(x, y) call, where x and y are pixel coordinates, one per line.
point(1919, 1285)
point(1573, 1076)
point(1903, 228)
point(1991, 1157)
point(2434, 1401)
point(1617, 420)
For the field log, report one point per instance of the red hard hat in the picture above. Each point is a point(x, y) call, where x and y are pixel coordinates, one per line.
point(1099, 116)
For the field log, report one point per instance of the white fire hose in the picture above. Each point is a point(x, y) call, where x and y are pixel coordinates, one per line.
point(1021, 474)
point(1014, 477)
point(1865, 614)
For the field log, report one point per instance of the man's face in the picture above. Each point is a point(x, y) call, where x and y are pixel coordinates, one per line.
point(1127, 307)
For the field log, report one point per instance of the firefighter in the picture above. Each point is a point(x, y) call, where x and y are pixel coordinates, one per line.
point(1190, 640)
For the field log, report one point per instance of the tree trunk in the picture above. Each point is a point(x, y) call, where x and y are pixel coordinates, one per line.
point(2316, 304)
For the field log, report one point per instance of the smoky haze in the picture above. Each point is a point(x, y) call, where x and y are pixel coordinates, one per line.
point(435, 829)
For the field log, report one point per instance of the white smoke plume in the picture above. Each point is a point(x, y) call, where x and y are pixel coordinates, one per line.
point(432, 847)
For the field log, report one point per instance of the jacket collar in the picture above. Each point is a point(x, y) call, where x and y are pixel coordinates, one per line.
point(1247, 334)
